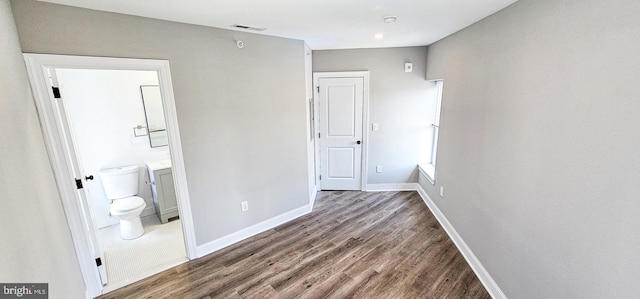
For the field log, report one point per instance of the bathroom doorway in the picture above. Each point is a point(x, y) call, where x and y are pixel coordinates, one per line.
point(103, 113)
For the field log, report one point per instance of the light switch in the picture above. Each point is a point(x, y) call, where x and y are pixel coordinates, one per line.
point(374, 127)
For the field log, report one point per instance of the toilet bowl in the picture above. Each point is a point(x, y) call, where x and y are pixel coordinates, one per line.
point(128, 210)
point(121, 185)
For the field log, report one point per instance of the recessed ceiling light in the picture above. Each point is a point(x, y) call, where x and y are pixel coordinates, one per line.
point(390, 19)
point(379, 36)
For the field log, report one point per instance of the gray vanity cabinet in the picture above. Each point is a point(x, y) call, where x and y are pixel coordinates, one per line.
point(163, 191)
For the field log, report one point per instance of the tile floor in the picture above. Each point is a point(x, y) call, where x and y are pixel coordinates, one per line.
point(161, 247)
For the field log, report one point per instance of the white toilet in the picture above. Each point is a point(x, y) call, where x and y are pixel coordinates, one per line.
point(121, 185)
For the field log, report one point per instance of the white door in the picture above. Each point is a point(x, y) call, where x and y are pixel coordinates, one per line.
point(78, 175)
point(341, 101)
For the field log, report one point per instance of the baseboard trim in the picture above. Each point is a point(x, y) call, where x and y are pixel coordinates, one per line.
point(392, 187)
point(485, 278)
point(251, 231)
point(312, 197)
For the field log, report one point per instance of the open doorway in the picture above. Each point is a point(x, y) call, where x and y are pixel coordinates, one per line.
point(116, 120)
point(99, 115)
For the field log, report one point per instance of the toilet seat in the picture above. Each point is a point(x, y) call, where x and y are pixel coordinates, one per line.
point(127, 204)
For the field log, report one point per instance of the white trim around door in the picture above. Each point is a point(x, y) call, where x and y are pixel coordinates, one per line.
point(364, 75)
point(37, 66)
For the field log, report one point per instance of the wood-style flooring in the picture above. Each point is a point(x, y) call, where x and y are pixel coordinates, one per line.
point(353, 245)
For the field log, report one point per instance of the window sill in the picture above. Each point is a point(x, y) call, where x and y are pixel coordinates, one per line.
point(429, 171)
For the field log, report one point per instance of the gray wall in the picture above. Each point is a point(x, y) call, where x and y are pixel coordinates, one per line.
point(241, 111)
point(540, 146)
point(36, 244)
point(401, 103)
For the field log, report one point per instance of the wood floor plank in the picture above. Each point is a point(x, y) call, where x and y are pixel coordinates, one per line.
point(353, 245)
point(356, 285)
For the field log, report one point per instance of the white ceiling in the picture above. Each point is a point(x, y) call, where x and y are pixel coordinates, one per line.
point(323, 24)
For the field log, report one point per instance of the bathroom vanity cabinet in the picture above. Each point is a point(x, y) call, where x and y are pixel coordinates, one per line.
point(162, 189)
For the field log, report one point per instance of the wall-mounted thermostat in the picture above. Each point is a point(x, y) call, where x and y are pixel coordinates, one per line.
point(408, 67)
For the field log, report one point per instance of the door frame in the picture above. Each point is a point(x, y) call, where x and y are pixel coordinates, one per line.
point(365, 120)
point(42, 95)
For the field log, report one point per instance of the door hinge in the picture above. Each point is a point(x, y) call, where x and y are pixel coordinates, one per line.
point(98, 262)
point(56, 92)
point(79, 184)
point(318, 135)
point(321, 178)
point(318, 88)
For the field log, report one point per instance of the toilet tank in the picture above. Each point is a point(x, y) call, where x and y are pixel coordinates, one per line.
point(120, 182)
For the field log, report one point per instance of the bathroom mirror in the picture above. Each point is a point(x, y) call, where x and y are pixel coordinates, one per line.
point(152, 102)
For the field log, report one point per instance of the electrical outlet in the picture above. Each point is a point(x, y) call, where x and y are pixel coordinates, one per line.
point(245, 206)
point(378, 168)
point(441, 191)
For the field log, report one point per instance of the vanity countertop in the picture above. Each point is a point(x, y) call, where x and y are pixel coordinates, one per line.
point(160, 164)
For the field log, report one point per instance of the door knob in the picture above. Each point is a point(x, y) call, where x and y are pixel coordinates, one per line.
point(358, 142)
point(89, 178)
